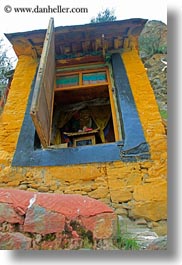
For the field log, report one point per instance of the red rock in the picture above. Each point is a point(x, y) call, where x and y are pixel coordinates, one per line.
point(67, 204)
point(72, 205)
point(8, 214)
point(102, 225)
point(18, 199)
point(42, 221)
point(10, 241)
point(74, 234)
point(72, 216)
point(51, 245)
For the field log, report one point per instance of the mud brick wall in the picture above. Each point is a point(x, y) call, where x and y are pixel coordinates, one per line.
point(137, 189)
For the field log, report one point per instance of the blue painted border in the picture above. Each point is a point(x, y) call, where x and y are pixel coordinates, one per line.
point(132, 148)
point(132, 128)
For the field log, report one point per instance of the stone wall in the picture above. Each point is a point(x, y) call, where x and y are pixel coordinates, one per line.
point(137, 189)
point(41, 221)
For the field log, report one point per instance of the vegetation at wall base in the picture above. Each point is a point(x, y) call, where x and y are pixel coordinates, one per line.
point(125, 241)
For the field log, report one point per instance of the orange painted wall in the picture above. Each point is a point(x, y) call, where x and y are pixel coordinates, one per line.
point(137, 189)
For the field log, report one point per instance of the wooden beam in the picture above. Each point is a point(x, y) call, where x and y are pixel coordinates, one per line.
point(116, 43)
point(57, 89)
point(126, 43)
point(113, 109)
point(98, 44)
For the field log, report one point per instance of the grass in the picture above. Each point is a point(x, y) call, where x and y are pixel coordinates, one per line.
point(124, 241)
point(163, 114)
point(127, 243)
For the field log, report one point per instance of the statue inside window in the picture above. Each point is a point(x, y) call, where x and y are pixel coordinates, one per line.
point(83, 121)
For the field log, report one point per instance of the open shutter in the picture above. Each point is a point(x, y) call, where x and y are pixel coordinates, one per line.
point(43, 95)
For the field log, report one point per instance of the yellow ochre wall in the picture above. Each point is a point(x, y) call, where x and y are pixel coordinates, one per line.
point(136, 189)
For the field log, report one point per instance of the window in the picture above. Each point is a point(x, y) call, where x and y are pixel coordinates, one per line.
point(82, 107)
point(67, 81)
point(87, 89)
point(91, 88)
point(94, 78)
point(84, 90)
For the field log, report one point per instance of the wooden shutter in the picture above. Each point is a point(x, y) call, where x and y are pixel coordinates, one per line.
point(43, 95)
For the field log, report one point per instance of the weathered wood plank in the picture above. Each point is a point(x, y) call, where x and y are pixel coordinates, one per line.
point(43, 96)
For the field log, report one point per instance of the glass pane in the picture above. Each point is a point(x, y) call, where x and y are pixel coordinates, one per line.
point(67, 81)
point(94, 78)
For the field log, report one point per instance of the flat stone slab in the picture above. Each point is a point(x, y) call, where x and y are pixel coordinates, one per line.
point(71, 205)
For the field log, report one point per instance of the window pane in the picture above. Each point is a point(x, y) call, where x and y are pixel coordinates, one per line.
point(94, 78)
point(67, 81)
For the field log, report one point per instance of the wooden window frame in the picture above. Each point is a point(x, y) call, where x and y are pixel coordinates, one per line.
point(83, 138)
point(80, 74)
point(117, 133)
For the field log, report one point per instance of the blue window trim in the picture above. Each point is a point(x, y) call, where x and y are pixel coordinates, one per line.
point(133, 147)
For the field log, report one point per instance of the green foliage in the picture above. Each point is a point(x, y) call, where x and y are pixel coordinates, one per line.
point(5, 64)
point(128, 243)
point(49, 237)
point(104, 16)
point(85, 235)
point(163, 114)
point(124, 241)
point(5, 67)
point(162, 49)
point(150, 45)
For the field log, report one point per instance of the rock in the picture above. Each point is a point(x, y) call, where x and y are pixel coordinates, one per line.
point(126, 206)
point(50, 245)
point(121, 211)
point(13, 241)
point(8, 214)
point(144, 238)
point(151, 191)
point(161, 229)
point(150, 224)
point(153, 52)
point(153, 39)
point(158, 244)
point(155, 224)
point(101, 192)
point(101, 225)
point(43, 189)
point(71, 205)
point(54, 221)
point(38, 238)
point(150, 210)
point(16, 198)
point(121, 195)
point(141, 221)
point(40, 220)
point(146, 235)
point(23, 187)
